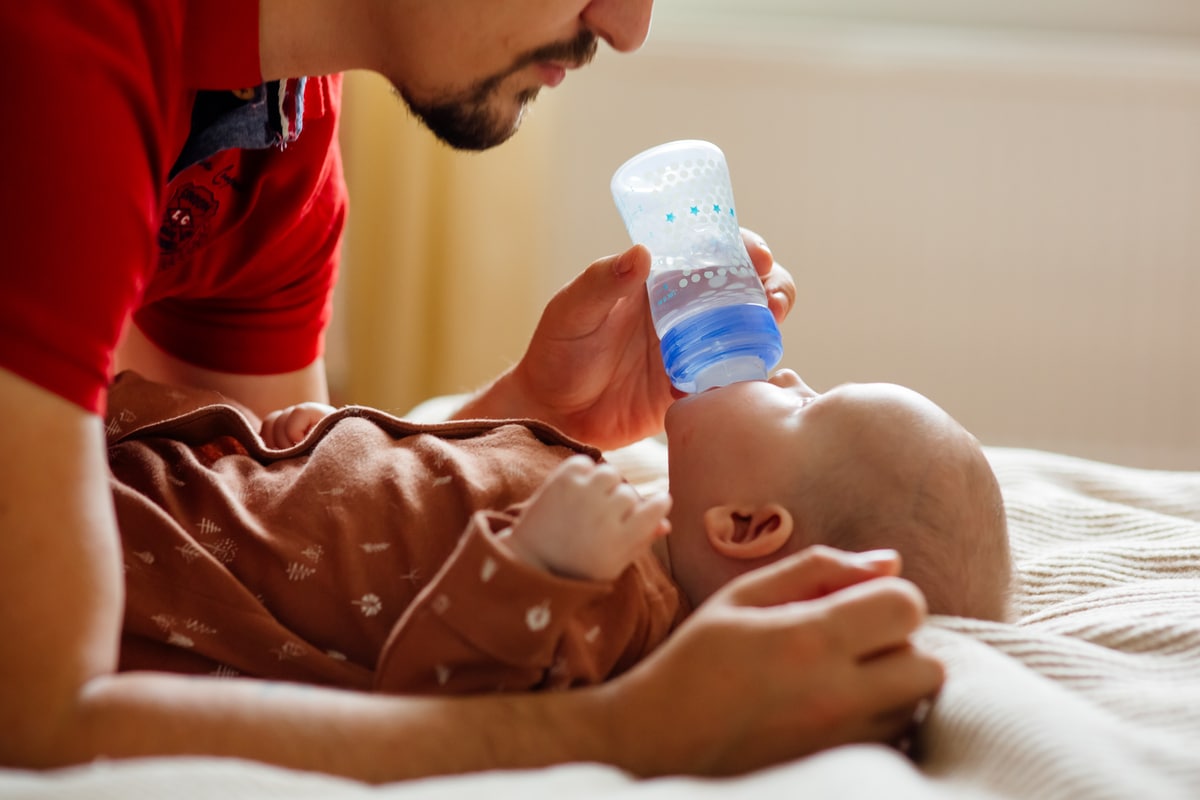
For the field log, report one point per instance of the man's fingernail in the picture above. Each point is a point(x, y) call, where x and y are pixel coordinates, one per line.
point(870, 558)
point(624, 263)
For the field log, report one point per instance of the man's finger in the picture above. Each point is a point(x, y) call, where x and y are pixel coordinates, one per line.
point(814, 572)
point(781, 293)
point(777, 281)
point(760, 254)
point(901, 681)
point(876, 617)
point(589, 298)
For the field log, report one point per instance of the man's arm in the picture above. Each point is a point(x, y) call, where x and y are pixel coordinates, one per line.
point(61, 608)
point(262, 394)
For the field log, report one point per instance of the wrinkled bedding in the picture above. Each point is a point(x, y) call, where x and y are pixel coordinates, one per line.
point(1092, 692)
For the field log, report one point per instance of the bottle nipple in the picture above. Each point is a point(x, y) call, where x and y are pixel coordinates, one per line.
point(730, 370)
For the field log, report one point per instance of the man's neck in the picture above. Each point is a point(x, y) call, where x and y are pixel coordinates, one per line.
point(310, 37)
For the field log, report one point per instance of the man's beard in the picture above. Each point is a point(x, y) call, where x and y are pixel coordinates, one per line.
point(469, 121)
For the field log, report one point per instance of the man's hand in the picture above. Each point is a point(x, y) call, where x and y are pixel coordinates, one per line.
point(593, 367)
point(586, 522)
point(796, 657)
point(777, 281)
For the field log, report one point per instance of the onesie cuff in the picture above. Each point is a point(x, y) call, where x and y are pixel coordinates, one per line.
point(515, 612)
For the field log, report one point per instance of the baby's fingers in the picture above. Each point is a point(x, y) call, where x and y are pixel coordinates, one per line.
point(649, 518)
point(289, 426)
point(581, 474)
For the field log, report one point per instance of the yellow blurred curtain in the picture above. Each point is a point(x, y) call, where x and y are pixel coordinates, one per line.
point(441, 276)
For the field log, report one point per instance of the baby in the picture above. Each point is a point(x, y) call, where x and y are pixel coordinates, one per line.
point(762, 469)
point(477, 556)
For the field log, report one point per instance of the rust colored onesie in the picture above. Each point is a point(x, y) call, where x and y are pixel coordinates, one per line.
point(363, 557)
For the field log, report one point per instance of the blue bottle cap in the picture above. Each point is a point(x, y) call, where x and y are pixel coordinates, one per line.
point(722, 345)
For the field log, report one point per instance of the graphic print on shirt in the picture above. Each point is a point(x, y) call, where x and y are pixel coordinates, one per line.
point(186, 221)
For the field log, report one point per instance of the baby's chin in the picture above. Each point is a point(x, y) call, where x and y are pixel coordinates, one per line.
point(678, 417)
point(686, 405)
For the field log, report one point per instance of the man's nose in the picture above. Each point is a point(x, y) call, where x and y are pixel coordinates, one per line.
point(624, 24)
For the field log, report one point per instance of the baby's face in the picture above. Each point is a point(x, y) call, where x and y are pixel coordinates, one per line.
point(759, 442)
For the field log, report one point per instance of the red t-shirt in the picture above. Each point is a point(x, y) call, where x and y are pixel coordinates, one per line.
point(229, 266)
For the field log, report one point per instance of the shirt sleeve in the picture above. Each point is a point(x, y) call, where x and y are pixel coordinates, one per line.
point(250, 243)
point(486, 622)
point(86, 141)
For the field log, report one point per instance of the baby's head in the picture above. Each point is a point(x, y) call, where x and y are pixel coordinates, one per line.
point(759, 470)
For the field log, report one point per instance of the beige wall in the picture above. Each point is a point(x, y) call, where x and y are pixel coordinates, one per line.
point(443, 256)
point(1009, 224)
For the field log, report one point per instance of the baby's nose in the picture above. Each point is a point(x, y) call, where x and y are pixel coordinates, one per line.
point(788, 379)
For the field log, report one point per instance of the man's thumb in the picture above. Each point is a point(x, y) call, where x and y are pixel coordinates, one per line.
point(590, 297)
point(617, 275)
point(633, 264)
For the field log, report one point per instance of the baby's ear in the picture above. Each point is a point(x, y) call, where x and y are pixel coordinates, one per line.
point(748, 533)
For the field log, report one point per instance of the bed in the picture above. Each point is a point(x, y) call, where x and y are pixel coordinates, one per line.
point(1094, 692)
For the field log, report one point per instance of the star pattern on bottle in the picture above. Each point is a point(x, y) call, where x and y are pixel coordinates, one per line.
point(695, 211)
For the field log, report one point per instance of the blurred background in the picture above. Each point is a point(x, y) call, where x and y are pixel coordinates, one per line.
point(997, 204)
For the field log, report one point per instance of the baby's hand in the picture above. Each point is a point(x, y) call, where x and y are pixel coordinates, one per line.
point(288, 426)
point(586, 522)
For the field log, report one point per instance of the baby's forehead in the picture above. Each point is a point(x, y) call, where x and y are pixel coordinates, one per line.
point(892, 414)
point(887, 439)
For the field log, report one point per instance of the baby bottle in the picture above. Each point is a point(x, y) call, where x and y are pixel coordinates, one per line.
point(707, 301)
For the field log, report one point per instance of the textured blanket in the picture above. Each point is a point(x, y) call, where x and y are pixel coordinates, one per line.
point(1093, 692)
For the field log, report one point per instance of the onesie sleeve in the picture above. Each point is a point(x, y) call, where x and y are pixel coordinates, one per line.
point(486, 622)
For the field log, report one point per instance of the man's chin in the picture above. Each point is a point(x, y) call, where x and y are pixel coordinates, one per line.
point(472, 129)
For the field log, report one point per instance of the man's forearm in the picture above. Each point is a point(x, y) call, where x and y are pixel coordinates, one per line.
point(375, 738)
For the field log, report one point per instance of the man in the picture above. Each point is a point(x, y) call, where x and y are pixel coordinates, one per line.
point(114, 215)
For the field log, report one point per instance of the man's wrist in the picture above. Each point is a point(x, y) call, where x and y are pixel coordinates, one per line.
point(593, 727)
point(507, 397)
point(501, 399)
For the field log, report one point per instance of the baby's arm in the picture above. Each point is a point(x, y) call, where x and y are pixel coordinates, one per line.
point(288, 426)
point(586, 522)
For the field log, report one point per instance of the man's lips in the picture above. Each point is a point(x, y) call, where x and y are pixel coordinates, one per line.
point(552, 74)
